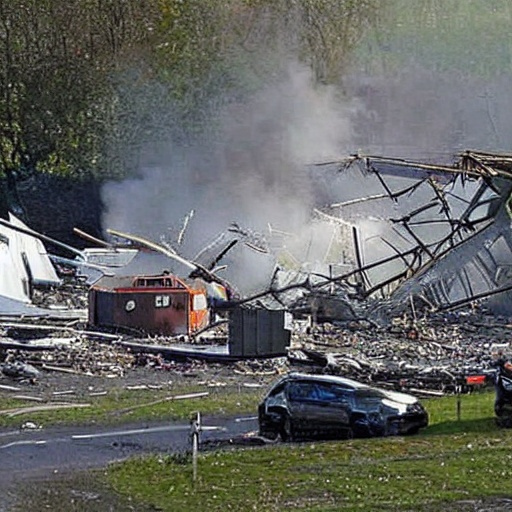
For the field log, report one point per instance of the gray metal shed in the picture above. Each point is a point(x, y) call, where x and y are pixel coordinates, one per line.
point(258, 332)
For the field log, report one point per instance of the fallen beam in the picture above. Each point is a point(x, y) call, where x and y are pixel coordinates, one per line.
point(162, 400)
point(41, 408)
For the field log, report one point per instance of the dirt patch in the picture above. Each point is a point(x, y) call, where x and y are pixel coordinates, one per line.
point(76, 492)
point(492, 504)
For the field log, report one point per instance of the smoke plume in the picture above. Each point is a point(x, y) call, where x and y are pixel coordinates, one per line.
point(251, 172)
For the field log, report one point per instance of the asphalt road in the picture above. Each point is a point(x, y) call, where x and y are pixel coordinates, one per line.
point(41, 453)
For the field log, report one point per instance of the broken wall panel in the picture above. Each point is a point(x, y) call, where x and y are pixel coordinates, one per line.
point(23, 262)
point(12, 284)
point(41, 269)
point(462, 273)
point(109, 257)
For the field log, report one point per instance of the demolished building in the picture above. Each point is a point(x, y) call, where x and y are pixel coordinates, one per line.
point(404, 240)
point(422, 238)
point(425, 237)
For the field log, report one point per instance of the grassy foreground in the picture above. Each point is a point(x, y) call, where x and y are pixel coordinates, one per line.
point(447, 465)
point(124, 406)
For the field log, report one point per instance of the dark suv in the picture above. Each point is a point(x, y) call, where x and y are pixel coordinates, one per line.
point(324, 406)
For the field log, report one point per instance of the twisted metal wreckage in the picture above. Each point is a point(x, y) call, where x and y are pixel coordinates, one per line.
point(422, 237)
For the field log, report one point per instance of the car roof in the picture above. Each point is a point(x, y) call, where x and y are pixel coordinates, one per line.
point(343, 381)
point(331, 379)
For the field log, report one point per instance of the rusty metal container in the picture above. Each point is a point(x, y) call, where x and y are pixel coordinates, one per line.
point(161, 304)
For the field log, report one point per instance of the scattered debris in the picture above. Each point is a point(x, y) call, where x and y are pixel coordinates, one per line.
point(30, 425)
point(39, 408)
point(398, 294)
point(19, 370)
point(162, 400)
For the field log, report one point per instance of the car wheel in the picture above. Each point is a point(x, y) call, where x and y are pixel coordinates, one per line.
point(392, 428)
point(504, 422)
point(287, 431)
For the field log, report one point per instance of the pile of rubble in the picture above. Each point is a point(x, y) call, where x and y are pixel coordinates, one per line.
point(372, 290)
point(437, 354)
point(27, 348)
point(430, 357)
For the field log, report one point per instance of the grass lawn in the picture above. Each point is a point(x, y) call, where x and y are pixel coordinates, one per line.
point(447, 464)
point(124, 406)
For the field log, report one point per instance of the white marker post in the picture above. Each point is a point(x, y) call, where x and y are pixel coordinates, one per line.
point(194, 434)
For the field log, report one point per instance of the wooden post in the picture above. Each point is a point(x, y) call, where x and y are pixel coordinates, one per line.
point(194, 434)
point(459, 404)
point(359, 261)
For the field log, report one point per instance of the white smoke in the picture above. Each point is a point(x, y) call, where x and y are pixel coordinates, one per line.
point(252, 173)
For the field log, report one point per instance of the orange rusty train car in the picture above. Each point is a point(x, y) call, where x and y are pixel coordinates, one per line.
point(159, 304)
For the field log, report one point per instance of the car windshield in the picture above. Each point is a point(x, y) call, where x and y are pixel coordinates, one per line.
point(369, 393)
point(317, 391)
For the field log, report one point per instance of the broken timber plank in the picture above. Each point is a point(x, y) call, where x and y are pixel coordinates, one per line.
point(162, 400)
point(59, 369)
point(90, 238)
point(41, 237)
point(3, 387)
point(29, 398)
point(41, 408)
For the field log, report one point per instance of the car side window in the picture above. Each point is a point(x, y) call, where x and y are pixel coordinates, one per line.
point(333, 393)
point(299, 391)
point(317, 392)
point(341, 394)
point(323, 393)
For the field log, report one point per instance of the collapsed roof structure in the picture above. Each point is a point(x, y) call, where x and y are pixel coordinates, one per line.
point(393, 238)
point(423, 236)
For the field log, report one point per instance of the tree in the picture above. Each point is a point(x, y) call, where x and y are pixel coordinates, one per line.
point(57, 59)
point(82, 80)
